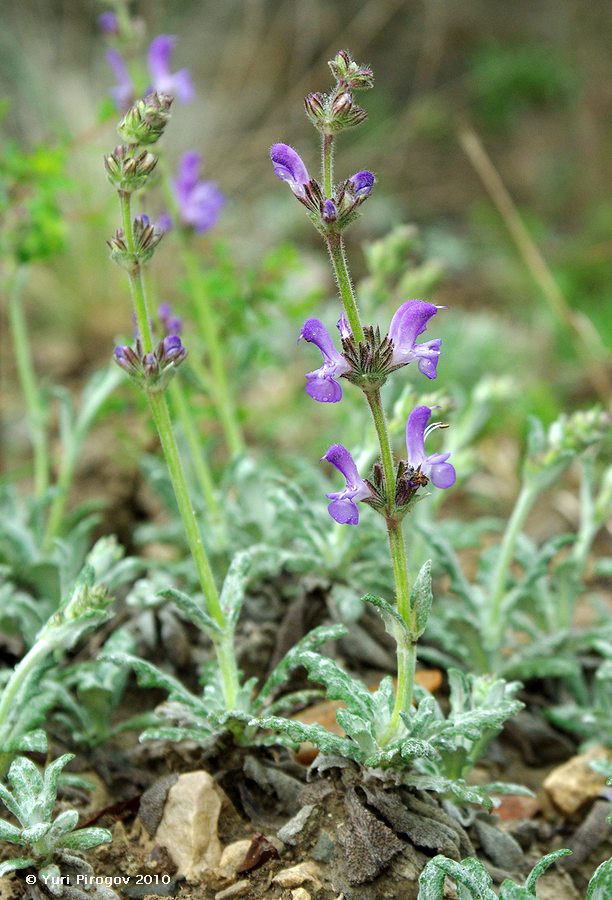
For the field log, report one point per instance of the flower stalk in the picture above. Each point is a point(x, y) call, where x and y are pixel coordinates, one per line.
point(154, 369)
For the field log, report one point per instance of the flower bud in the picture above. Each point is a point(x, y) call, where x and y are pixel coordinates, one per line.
point(145, 121)
point(146, 239)
point(315, 108)
point(126, 171)
point(153, 370)
point(350, 74)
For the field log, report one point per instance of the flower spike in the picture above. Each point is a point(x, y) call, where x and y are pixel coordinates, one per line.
point(322, 383)
point(435, 467)
point(343, 507)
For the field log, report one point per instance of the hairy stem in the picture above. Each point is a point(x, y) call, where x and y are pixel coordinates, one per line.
point(137, 290)
point(327, 164)
point(335, 245)
point(223, 638)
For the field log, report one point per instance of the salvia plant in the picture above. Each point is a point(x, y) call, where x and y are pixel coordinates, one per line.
point(31, 798)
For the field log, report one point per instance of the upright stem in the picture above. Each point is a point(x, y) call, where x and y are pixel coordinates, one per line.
point(223, 639)
point(327, 164)
point(209, 329)
point(380, 423)
point(522, 508)
point(27, 379)
point(137, 290)
point(197, 457)
point(335, 245)
point(10, 693)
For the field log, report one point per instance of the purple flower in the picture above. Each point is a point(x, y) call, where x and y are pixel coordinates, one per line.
point(123, 92)
point(171, 324)
point(407, 324)
point(343, 507)
point(322, 384)
point(361, 184)
point(440, 473)
point(288, 166)
point(329, 212)
point(178, 84)
point(108, 23)
point(199, 202)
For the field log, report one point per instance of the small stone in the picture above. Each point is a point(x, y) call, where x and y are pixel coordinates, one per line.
point(288, 833)
point(516, 808)
point(233, 856)
point(300, 894)
point(296, 876)
point(188, 828)
point(574, 783)
point(239, 889)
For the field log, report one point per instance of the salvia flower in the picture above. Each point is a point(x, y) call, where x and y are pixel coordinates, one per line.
point(322, 383)
point(199, 202)
point(289, 167)
point(435, 466)
point(407, 324)
point(122, 92)
point(171, 324)
point(343, 507)
point(108, 23)
point(178, 84)
point(361, 183)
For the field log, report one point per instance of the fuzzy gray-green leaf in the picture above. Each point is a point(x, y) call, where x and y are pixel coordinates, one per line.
point(292, 659)
point(421, 597)
point(11, 865)
point(10, 833)
point(86, 838)
point(192, 610)
point(600, 885)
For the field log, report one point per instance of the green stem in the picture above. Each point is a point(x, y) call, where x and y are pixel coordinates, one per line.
point(335, 245)
point(494, 626)
point(223, 642)
point(207, 323)
point(380, 423)
point(197, 457)
point(71, 451)
point(27, 379)
point(406, 643)
point(13, 687)
point(139, 299)
point(223, 637)
point(327, 164)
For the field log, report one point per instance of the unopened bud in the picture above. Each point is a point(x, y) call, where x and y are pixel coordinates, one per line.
point(145, 121)
point(126, 171)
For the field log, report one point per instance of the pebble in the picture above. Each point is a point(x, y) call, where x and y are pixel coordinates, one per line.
point(239, 889)
point(233, 856)
point(188, 828)
point(297, 875)
point(574, 783)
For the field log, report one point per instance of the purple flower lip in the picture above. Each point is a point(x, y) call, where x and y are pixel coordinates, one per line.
point(178, 84)
point(199, 202)
point(435, 466)
point(343, 507)
point(322, 383)
point(361, 183)
point(409, 321)
point(289, 167)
